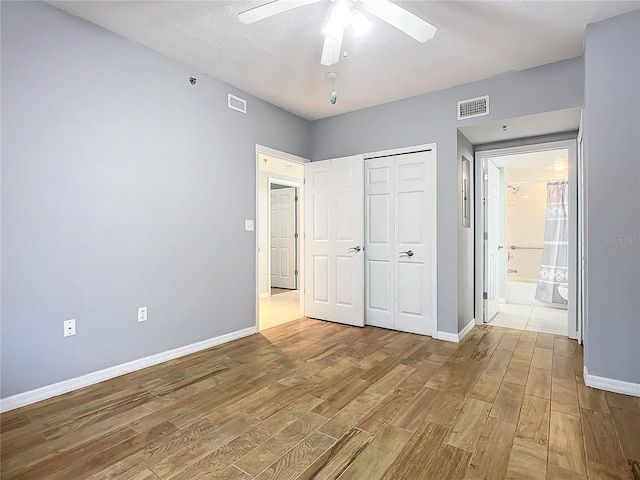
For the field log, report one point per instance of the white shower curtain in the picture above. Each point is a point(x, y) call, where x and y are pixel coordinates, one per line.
point(554, 269)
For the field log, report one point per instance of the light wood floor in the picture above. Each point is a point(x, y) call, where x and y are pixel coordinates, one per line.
point(315, 400)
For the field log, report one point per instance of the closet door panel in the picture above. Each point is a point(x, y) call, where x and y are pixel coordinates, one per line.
point(379, 233)
point(414, 243)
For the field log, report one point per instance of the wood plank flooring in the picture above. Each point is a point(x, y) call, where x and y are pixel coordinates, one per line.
point(316, 400)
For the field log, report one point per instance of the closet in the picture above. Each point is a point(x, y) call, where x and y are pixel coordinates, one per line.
point(400, 242)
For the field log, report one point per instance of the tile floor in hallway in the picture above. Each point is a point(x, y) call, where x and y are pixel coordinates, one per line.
point(279, 309)
point(532, 318)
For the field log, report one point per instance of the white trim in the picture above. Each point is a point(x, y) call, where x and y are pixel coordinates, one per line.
point(611, 385)
point(447, 337)
point(43, 393)
point(279, 154)
point(465, 331)
point(457, 338)
point(402, 151)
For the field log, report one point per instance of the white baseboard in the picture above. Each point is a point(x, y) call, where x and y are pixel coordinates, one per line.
point(611, 385)
point(465, 331)
point(264, 295)
point(456, 337)
point(447, 337)
point(43, 393)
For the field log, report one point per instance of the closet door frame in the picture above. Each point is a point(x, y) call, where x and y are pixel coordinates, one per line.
point(434, 245)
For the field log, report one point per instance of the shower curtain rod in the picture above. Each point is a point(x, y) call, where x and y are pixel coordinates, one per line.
point(524, 182)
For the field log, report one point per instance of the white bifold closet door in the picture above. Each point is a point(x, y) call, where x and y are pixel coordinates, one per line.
point(334, 260)
point(400, 242)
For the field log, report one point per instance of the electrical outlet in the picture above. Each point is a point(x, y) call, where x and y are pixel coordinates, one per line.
point(142, 314)
point(70, 327)
point(248, 225)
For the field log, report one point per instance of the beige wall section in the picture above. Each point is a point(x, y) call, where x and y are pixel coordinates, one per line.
point(275, 168)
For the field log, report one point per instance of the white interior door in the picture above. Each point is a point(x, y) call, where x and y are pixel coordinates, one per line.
point(334, 260)
point(400, 212)
point(493, 237)
point(282, 237)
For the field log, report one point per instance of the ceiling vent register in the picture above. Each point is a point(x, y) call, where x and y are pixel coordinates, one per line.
point(473, 107)
point(236, 103)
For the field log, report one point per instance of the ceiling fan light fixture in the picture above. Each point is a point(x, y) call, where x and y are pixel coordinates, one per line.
point(360, 24)
point(339, 19)
point(333, 29)
point(341, 13)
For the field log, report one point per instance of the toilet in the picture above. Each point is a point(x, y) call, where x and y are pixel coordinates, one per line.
point(563, 290)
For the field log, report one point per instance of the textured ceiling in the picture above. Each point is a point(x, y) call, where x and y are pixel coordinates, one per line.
point(278, 59)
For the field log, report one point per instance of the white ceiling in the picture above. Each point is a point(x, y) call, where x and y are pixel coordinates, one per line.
point(278, 59)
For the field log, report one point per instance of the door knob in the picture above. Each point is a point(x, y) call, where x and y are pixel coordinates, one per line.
point(356, 248)
point(408, 253)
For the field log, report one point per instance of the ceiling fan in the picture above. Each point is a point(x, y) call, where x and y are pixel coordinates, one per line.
point(348, 13)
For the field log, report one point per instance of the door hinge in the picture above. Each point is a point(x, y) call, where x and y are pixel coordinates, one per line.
point(484, 295)
point(486, 235)
point(296, 198)
point(295, 235)
point(295, 272)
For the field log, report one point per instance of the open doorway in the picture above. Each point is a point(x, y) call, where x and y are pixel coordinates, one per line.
point(280, 181)
point(529, 238)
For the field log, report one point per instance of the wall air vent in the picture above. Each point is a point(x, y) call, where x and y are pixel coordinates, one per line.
point(473, 107)
point(236, 103)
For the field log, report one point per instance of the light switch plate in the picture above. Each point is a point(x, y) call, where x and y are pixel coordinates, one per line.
point(248, 225)
point(70, 327)
point(142, 314)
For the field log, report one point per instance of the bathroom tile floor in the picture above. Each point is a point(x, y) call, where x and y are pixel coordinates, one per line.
point(533, 318)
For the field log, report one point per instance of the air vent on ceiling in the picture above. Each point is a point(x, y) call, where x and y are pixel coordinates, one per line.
point(236, 103)
point(473, 107)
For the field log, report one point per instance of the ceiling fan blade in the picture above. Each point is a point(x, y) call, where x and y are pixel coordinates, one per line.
point(402, 19)
point(331, 50)
point(272, 8)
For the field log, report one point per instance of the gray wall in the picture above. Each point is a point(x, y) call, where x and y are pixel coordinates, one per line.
point(612, 164)
point(432, 118)
point(122, 185)
point(465, 240)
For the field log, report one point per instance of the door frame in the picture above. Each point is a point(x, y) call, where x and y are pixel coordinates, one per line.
point(296, 254)
point(581, 232)
point(414, 149)
point(574, 237)
point(261, 149)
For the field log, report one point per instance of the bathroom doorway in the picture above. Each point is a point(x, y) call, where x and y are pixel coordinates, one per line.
point(529, 238)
